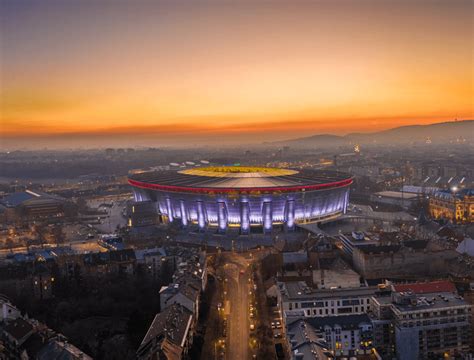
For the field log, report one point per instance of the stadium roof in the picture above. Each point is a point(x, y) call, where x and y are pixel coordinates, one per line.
point(16, 199)
point(226, 179)
point(21, 198)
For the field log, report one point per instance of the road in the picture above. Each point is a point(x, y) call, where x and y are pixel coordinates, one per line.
point(236, 273)
point(114, 216)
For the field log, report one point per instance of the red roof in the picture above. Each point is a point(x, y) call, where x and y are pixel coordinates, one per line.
point(426, 288)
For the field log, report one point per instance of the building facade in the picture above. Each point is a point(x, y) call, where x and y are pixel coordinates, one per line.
point(331, 337)
point(246, 198)
point(297, 299)
point(455, 206)
point(424, 321)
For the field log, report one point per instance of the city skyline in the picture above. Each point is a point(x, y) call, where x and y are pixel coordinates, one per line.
point(184, 74)
point(237, 179)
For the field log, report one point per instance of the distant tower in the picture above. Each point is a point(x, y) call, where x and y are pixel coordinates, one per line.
point(357, 148)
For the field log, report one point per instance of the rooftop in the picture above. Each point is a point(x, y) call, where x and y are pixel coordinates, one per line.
point(172, 323)
point(186, 286)
point(299, 290)
point(357, 238)
point(60, 350)
point(305, 340)
point(295, 257)
point(405, 300)
point(346, 322)
point(140, 254)
point(28, 196)
point(397, 195)
point(19, 329)
point(453, 192)
point(426, 288)
point(380, 249)
point(432, 301)
point(229, 179)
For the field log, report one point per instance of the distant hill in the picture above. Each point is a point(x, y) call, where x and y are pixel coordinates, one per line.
point(438, 133)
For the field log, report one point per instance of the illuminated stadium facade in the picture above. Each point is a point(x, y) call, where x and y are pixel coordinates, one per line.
point(246, 198)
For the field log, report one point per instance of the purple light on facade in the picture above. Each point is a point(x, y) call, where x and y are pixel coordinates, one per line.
point(346, 200)
point(246, 210)
point(170, 209)
point(184, 215)
point(244, 216)
point(222, 215)
point(200, 213)
point(267, 215)
point(290, 214)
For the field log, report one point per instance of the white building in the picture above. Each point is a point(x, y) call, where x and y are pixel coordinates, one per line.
point(8, 311)
point(429, 320)
point(298, 299)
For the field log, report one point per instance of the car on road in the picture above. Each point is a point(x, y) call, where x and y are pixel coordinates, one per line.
point(252, 327)
point(224, 328)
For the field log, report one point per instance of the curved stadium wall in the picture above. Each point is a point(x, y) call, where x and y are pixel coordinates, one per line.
point(243, 197)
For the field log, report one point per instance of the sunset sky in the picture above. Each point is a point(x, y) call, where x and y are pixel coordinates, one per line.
point(187, 72)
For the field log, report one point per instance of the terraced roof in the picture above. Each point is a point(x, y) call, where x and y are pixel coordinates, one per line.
point(258, 179)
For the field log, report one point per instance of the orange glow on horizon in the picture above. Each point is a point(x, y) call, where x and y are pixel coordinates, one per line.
point(274, 71)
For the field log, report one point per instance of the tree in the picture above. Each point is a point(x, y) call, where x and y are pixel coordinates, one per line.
point(40, 230)
point(58, 235)
point(10, 243)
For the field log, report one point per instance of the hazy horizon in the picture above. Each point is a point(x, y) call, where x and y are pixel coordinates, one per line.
point(125, 140)
point(82, 72)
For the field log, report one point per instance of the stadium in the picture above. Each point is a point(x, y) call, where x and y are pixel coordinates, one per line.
point(252, 199)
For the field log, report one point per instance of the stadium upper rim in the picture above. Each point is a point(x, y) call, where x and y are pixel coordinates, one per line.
point(245, 180)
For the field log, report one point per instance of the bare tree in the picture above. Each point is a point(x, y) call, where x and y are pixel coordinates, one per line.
point(10, 243)
point(40, 230)
point(58, 235)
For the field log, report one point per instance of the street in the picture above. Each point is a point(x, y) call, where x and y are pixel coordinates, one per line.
point(236, 276)
point(114, 216)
